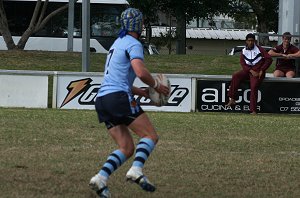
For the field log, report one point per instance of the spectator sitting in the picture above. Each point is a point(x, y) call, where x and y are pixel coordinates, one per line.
point(254, 61)
point(285, 67)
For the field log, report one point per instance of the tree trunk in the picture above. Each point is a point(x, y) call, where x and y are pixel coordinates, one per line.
point(24, 38)
point(38, 21)
point(263, 28)
point(4, 30)
point(148, 33)
point(28, 32)
point(262, 20)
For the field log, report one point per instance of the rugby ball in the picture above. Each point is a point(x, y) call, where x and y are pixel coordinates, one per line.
point(159, 99)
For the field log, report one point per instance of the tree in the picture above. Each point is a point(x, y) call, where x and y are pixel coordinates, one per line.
point(4, 30)
point(38, 21)
point(183, 10)
point(149, 9)
point(265, 13)
point(186, 10)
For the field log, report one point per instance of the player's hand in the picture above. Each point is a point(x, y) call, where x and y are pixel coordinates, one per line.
point(254, 73)
point(162, 89)
point(140, 91)
point(260, 74)
point(285, 56)
point(145, 92)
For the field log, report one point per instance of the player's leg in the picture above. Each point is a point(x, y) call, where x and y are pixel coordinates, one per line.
point(254, 85)
point(143, 127)
point(122, 137)
point(236, 80)
point(290, 74)
point(145, 130)
point(278, 73)
point(109, 108)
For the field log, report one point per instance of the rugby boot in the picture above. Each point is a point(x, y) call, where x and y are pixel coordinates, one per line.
point(98, 184)
point(135, 175)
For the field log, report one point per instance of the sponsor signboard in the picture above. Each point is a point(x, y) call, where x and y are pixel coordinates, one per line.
point(273, 96)
point(79, 92)
point(76, 92)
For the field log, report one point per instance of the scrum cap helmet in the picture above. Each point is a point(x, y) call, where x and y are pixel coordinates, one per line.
point(132, 20)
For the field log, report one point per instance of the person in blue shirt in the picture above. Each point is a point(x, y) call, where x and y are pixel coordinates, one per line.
point(117, 108)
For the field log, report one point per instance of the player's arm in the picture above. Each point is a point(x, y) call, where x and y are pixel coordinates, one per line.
point(273, 53)
point(276, 52)
point(296, 55)
point(140, 91)
point(142, 72)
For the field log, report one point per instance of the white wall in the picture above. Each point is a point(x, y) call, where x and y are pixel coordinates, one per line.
point(23, 91)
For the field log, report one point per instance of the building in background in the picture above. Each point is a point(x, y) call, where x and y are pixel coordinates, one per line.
point(289, 19)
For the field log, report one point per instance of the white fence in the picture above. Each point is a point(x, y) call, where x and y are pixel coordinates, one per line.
point(78, 90)
point(23, 89)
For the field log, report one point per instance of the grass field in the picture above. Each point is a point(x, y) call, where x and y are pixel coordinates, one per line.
point(173, 64)
point(53, 153)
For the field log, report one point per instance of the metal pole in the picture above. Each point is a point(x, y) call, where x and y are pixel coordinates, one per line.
point(70, 25)
point(85, 35)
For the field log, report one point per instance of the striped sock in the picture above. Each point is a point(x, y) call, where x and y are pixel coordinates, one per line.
point(143, 150)
point(114, 160)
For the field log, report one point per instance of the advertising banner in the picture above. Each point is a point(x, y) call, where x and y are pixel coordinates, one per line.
point(273, 97)
point(79, 92)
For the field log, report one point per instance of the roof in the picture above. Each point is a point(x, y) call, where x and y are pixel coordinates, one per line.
point(207, 33)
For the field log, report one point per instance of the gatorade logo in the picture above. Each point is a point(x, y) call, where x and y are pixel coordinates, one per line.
point(86, 93)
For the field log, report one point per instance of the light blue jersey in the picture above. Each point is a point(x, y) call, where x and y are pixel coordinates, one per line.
point(119, 75)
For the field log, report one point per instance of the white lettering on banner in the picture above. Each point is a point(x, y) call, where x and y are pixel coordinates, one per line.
point(90, 95)
point(286, 99)
point(245, 96)
point(212, 95)
point(297, 103)
point(224, 96)
point(246, 108)
point(295, 108)
point(142, 99)
point(216, 107)
point(178, 94)
point(283, 108)
point(80, 93)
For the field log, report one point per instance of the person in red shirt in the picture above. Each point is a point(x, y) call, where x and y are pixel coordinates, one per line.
point(285, 66)
point(254, 61)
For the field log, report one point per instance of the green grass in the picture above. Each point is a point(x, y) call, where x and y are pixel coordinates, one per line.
point(62, 61)
point(54, 153)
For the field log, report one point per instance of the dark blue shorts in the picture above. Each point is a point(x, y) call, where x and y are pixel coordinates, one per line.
point(117, 108)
